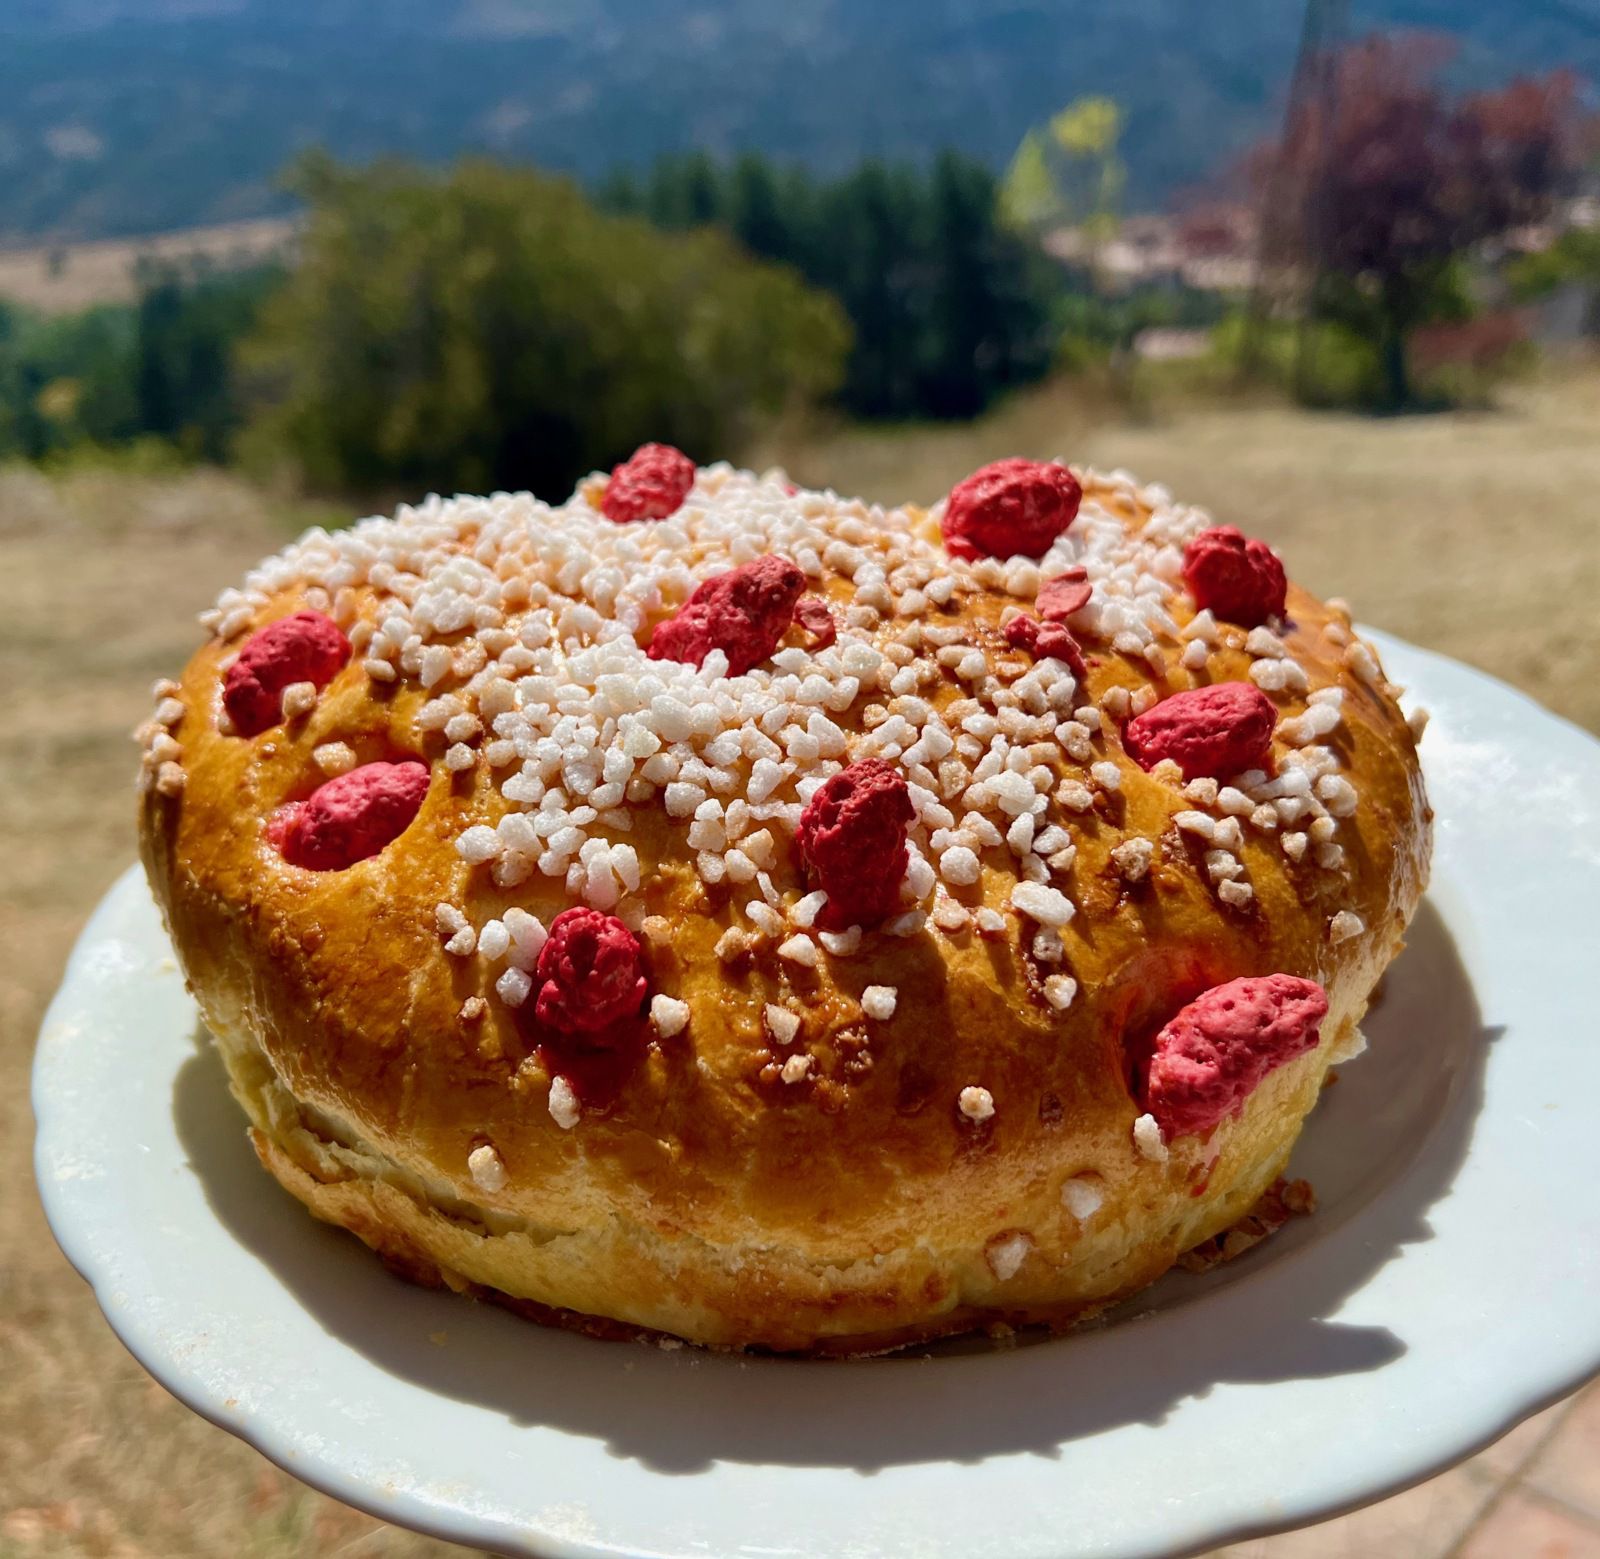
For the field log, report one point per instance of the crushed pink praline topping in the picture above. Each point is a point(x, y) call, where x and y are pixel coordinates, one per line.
point(1214, 1054)
point(1214, 732)
point(1010, 508)
point(1236, 577)
point(649, 485)
point(1067, 593)
point(304, 647)
point(350, 817)
point(743, 613)
point(1047, 640)
point(852, 841)
point(590, 973)
point(814, 616)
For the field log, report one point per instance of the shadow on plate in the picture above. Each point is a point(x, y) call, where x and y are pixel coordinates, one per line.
point(1382, 1148)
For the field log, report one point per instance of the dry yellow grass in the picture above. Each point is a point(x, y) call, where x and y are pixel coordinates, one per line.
point(1478, 535)
point(61, 278)
point(105, 574)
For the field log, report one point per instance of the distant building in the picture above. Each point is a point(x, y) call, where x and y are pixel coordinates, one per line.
point(1210, 249)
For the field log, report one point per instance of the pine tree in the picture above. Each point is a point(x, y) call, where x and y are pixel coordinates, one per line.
point(619, 192)
point(755, 210)
point(702, 191)
point(948, 307)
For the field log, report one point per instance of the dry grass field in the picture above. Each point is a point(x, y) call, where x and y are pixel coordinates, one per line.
point(1478, 535)
point(57, 279)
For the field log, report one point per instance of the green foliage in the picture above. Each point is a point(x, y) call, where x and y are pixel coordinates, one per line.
point(1092, 326)
point(949, 308)
point(1361, 323)
point(1030, 198)
point(115, 374)
point(491, 329)
point(990, 296)
point(65, 380)
point(144, 455)
point(1457, 353)
point(1434, 293)
point(1324, 362)
point(1069, 170)
point(684, 192)
point(1087, 127)
point(1573, 260)
point(187, 328)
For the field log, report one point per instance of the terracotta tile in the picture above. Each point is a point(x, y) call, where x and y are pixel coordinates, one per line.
point(1423, 1523)
point(1523, 1526)
point(1511, 1453)
point(1568, 1465)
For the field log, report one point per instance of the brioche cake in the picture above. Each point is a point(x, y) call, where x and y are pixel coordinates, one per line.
point(713, 909)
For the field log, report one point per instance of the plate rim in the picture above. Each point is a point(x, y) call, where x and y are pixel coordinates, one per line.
point(134, 1329)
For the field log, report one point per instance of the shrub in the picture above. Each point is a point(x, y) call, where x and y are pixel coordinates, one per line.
point(490, 329)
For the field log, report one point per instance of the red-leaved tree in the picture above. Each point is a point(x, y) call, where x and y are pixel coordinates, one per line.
point(1380, 183)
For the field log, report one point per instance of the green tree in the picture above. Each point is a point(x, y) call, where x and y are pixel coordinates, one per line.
point(188, 323)
point(683, 191)
point(1068, 171)
point(1030, 197)
point(491, 329)
point(871, 258)
point(160, 368)
point(801, 198)
point(703, 194)
point(967, 338)
point(990, 321)
point(756, 212)
point(22, 431)
point(949, 308)
point(65, 380)
point(619, 192)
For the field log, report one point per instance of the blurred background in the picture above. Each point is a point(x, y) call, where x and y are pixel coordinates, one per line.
point(1331, 270)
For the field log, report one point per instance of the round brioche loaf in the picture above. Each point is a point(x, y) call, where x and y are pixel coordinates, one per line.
point(821, 1140)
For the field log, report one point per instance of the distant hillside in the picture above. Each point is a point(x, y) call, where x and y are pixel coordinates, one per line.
point(122, 116)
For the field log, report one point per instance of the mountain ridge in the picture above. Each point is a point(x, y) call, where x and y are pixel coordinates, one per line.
point(119, 116)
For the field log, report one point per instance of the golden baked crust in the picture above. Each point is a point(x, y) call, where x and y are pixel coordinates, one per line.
point(859, 1206)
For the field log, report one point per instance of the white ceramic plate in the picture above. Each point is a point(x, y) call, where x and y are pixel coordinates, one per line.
point(1449, 1285)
